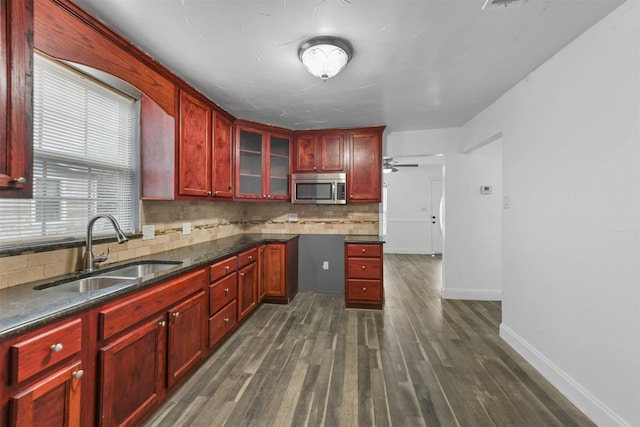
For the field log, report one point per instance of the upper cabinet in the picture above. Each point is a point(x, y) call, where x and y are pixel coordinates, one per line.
point(222, 178)
point(364, 175)
point(319, 151)
point(262, 163)
point(16, 98)
point(194, 147)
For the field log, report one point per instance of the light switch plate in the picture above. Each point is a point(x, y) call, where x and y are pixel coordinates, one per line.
point(148, 232)
point(325, 265)
point(186, 228)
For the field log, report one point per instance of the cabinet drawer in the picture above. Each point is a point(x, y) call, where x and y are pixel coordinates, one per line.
point(33, 355)
point(222, 292)
point(222, 268)
point(364, 250)
point(364, 290)
point(222, 323)
point(116, 317)
point(363, 268)
point(247, 257)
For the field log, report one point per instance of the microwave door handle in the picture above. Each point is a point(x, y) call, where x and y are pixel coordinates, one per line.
point(334, 190)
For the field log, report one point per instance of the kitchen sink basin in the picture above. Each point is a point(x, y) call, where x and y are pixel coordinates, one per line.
point(100, 280)
point(89, 284)
point(141, 269)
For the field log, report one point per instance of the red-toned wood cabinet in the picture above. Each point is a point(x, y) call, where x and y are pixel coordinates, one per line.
point(194, 147)
point(363, 275)
point(42, 376)
point(247, 282)
point(280, 271)
point(223, 294)
point(263, 163)
point(262, 273)
point(364, 175)
point(319, 151)
point(222, 179)
point(16, 98)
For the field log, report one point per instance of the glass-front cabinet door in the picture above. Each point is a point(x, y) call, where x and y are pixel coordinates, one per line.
point(263, 167)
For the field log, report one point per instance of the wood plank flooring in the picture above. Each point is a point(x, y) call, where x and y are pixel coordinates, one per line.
point(422, 361)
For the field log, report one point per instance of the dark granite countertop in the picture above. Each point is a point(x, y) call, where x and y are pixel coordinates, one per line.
point(23, 308)
point(364, 238)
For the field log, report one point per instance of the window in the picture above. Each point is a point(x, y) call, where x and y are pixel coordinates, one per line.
point(84, 159)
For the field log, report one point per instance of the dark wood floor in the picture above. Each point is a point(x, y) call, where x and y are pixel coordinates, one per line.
point(420, 361)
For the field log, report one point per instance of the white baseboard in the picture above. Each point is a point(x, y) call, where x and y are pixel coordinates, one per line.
point(598, 412)
point(473, 294)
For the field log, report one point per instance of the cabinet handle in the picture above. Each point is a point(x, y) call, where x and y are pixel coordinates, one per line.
point(176, 314)
point(323, 168)
point(20, 180)
point(268, 196)
point(162, 323)
point(364, 268)
point(315, 168)
point(364, 289)
point(57, 348)
point(226, 291)
point(209, 193)
point(226, 320)
point(215, 193)
point(264, 196)
point(364, 251)
point(78, 374)
point(250, 257)
point(241, 274)
point(351, 196)
point(226, 267)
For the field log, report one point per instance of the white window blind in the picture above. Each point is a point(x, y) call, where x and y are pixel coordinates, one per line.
point(84, 162)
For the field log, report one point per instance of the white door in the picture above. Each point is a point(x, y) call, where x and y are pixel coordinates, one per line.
point(436, 225)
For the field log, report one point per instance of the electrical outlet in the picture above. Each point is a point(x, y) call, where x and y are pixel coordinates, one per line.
point(325, 265)
point(148, 232)
point(186, 228)
point(293, 217)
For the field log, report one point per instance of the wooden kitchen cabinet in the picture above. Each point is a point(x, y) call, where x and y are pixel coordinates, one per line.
point(194, 147)
point(42, 376)
point(222, 179)
point(16, 99)
point(148, 342)
point(247, 282)
point(280, 271)
point(363, 275)
point(364, 175)
point(262, 273)
point(223, 294)
point(263, 163)
point(319, 151)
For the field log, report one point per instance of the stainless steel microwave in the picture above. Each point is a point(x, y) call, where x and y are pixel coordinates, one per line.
point(319, 188)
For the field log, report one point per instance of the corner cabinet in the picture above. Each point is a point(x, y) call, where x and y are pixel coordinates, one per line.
point(16, 99)
point(263, 163)
point(364, 174)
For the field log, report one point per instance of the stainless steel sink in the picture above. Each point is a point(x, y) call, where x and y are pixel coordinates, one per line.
point(128, 274)
point(90, 284)
point(142, 269)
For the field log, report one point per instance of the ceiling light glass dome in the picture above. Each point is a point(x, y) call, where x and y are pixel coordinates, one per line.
point(325, 57)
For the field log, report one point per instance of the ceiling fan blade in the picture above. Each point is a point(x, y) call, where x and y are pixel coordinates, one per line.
point(407, 165)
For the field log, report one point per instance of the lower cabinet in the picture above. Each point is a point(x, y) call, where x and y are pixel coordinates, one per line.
point(363, 275)
point(247, 289)
point(280, 271)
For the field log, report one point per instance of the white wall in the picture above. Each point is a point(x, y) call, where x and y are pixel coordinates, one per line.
point(409, 209)
point(471, 267)
point(571, 239)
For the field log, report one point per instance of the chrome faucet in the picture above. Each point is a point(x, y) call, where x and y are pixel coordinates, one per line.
point(91, 260)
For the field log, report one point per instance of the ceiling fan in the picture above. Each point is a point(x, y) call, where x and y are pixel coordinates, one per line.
point(390, 165)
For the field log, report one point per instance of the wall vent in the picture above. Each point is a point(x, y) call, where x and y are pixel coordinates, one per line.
point(495, 4)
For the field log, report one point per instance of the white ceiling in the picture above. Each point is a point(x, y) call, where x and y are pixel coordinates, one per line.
point(418, 64)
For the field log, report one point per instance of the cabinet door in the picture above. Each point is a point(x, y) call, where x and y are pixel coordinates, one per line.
point(53, 401)
point(249, 170)
point(222, 180)
point(365, 171)
point(278, 166)
point(275, 270)
point(16, 98)
point(131, 373)
point(247, 290)
point(305, 153)
point(262, 276)
point(332, 152)
point(194, 147)
point(187, 337)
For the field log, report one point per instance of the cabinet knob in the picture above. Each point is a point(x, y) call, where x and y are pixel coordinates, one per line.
point(226, 267)
point(226, 320)
point(364, 268)
point(323, 168)
point(226, 291)
point(250, 257)
point(351, 196)
point(20, 180)
point(268, 196)
point(241, 274)
point(364, 251)
point(162, 323)
point(57, 348)
point(209, 193)
point(78, 374)
point(264, 196)
point(215, 193)
point(315, 168)
point(176, 314)
point(364, 289)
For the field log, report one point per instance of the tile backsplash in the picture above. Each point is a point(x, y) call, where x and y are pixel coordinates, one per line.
point(208, 221)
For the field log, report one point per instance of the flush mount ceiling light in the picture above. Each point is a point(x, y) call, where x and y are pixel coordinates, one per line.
point(325, 56)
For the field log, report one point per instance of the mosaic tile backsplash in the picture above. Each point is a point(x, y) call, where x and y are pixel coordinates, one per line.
point(208, 221)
